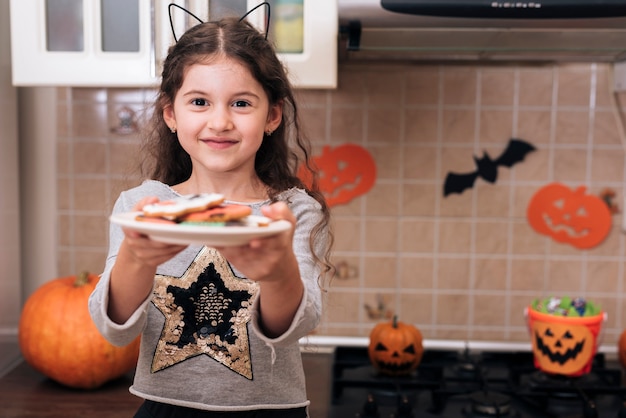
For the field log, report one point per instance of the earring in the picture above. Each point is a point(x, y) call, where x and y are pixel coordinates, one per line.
point(269, 132)
point(173, 130)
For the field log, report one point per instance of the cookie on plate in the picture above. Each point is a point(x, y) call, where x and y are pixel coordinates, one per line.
point(222, 213)
point(175, 208)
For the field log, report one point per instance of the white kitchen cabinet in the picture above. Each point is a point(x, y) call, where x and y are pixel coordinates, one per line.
point(315, 64)
point(64, 42)
point(122, 43)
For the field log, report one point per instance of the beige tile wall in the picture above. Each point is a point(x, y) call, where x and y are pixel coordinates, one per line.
point(459, 267)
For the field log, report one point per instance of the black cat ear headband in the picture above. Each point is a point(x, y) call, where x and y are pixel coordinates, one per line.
point(169, 11)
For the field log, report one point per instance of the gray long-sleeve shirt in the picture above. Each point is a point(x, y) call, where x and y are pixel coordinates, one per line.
point(201, 344)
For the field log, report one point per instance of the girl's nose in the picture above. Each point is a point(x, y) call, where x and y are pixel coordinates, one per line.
point(219, 119)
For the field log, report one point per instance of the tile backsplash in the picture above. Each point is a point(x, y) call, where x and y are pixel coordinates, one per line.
point(462, 266)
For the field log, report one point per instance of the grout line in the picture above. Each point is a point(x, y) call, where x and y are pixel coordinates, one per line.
point(400, 184)
point(474, 211)
point(71, 182)
point(362, 213)
point(553, 119)
point(438, 174)
point(328, 110)
point(589, 163)
point(511, 213)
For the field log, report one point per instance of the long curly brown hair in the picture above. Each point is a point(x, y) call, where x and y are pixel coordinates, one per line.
point(278, 158)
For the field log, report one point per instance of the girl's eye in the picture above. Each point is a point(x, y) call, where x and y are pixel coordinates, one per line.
point(241, 103)
point(199, 102)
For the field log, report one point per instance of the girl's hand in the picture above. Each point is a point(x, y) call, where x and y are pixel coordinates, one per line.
point(141, 249)
point(133, 273)
point(272, 263)
point(270, 258)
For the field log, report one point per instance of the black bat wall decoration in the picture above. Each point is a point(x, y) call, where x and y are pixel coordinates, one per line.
point(487, 168)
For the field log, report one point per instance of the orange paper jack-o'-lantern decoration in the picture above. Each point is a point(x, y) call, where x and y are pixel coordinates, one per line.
point(569, 216)
point(395, 348)
point(564, 345)
point(345, 172)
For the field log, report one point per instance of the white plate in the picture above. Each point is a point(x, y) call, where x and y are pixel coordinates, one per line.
point(218, 236)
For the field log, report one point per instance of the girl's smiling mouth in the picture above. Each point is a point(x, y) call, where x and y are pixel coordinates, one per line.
point(219, 143)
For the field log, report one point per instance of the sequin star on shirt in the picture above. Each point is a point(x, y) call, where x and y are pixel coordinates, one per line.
point(206, 311)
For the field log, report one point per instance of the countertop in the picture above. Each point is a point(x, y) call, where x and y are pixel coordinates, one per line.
point(25, 393)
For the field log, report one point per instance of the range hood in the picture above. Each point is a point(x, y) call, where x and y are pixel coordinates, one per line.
point(483, 30)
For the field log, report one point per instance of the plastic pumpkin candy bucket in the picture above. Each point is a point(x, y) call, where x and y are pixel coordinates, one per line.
point(564, 345)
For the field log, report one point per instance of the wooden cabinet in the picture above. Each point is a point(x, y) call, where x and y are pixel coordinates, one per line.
point(123, 42)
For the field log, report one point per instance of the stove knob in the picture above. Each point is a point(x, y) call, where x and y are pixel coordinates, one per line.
point(590, 410)
point(405, 409)
point(370, 408)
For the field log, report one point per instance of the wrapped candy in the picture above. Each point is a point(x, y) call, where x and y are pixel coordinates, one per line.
point(566, 306)
point(553, 305)
point(580, 305)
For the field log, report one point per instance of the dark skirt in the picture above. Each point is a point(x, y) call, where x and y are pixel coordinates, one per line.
point(150, 409)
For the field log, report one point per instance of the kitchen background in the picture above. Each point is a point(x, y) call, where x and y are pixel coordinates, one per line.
point(461, 267)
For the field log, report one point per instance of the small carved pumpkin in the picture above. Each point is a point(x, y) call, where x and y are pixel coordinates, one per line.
point(395, 348)
point(345, 172)
point(58, 338)
point(569, 216)
point(564, 345)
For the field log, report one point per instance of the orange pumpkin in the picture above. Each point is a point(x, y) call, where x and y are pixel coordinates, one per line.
point(58, 338)
point(395, 348)
point(345, 172)
point(569, 216)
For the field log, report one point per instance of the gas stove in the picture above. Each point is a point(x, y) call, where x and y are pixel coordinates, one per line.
point(452, 384)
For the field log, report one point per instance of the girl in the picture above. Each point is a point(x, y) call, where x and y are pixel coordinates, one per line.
point(220, 326)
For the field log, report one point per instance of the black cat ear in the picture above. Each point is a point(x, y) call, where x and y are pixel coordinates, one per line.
point(169, 12)
point(267, 19)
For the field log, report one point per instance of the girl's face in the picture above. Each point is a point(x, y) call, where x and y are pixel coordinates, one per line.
point(220, 115)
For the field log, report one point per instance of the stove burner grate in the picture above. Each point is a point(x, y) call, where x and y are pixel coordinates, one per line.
point(473, 385)
point(564, 387)
point(489, 404)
